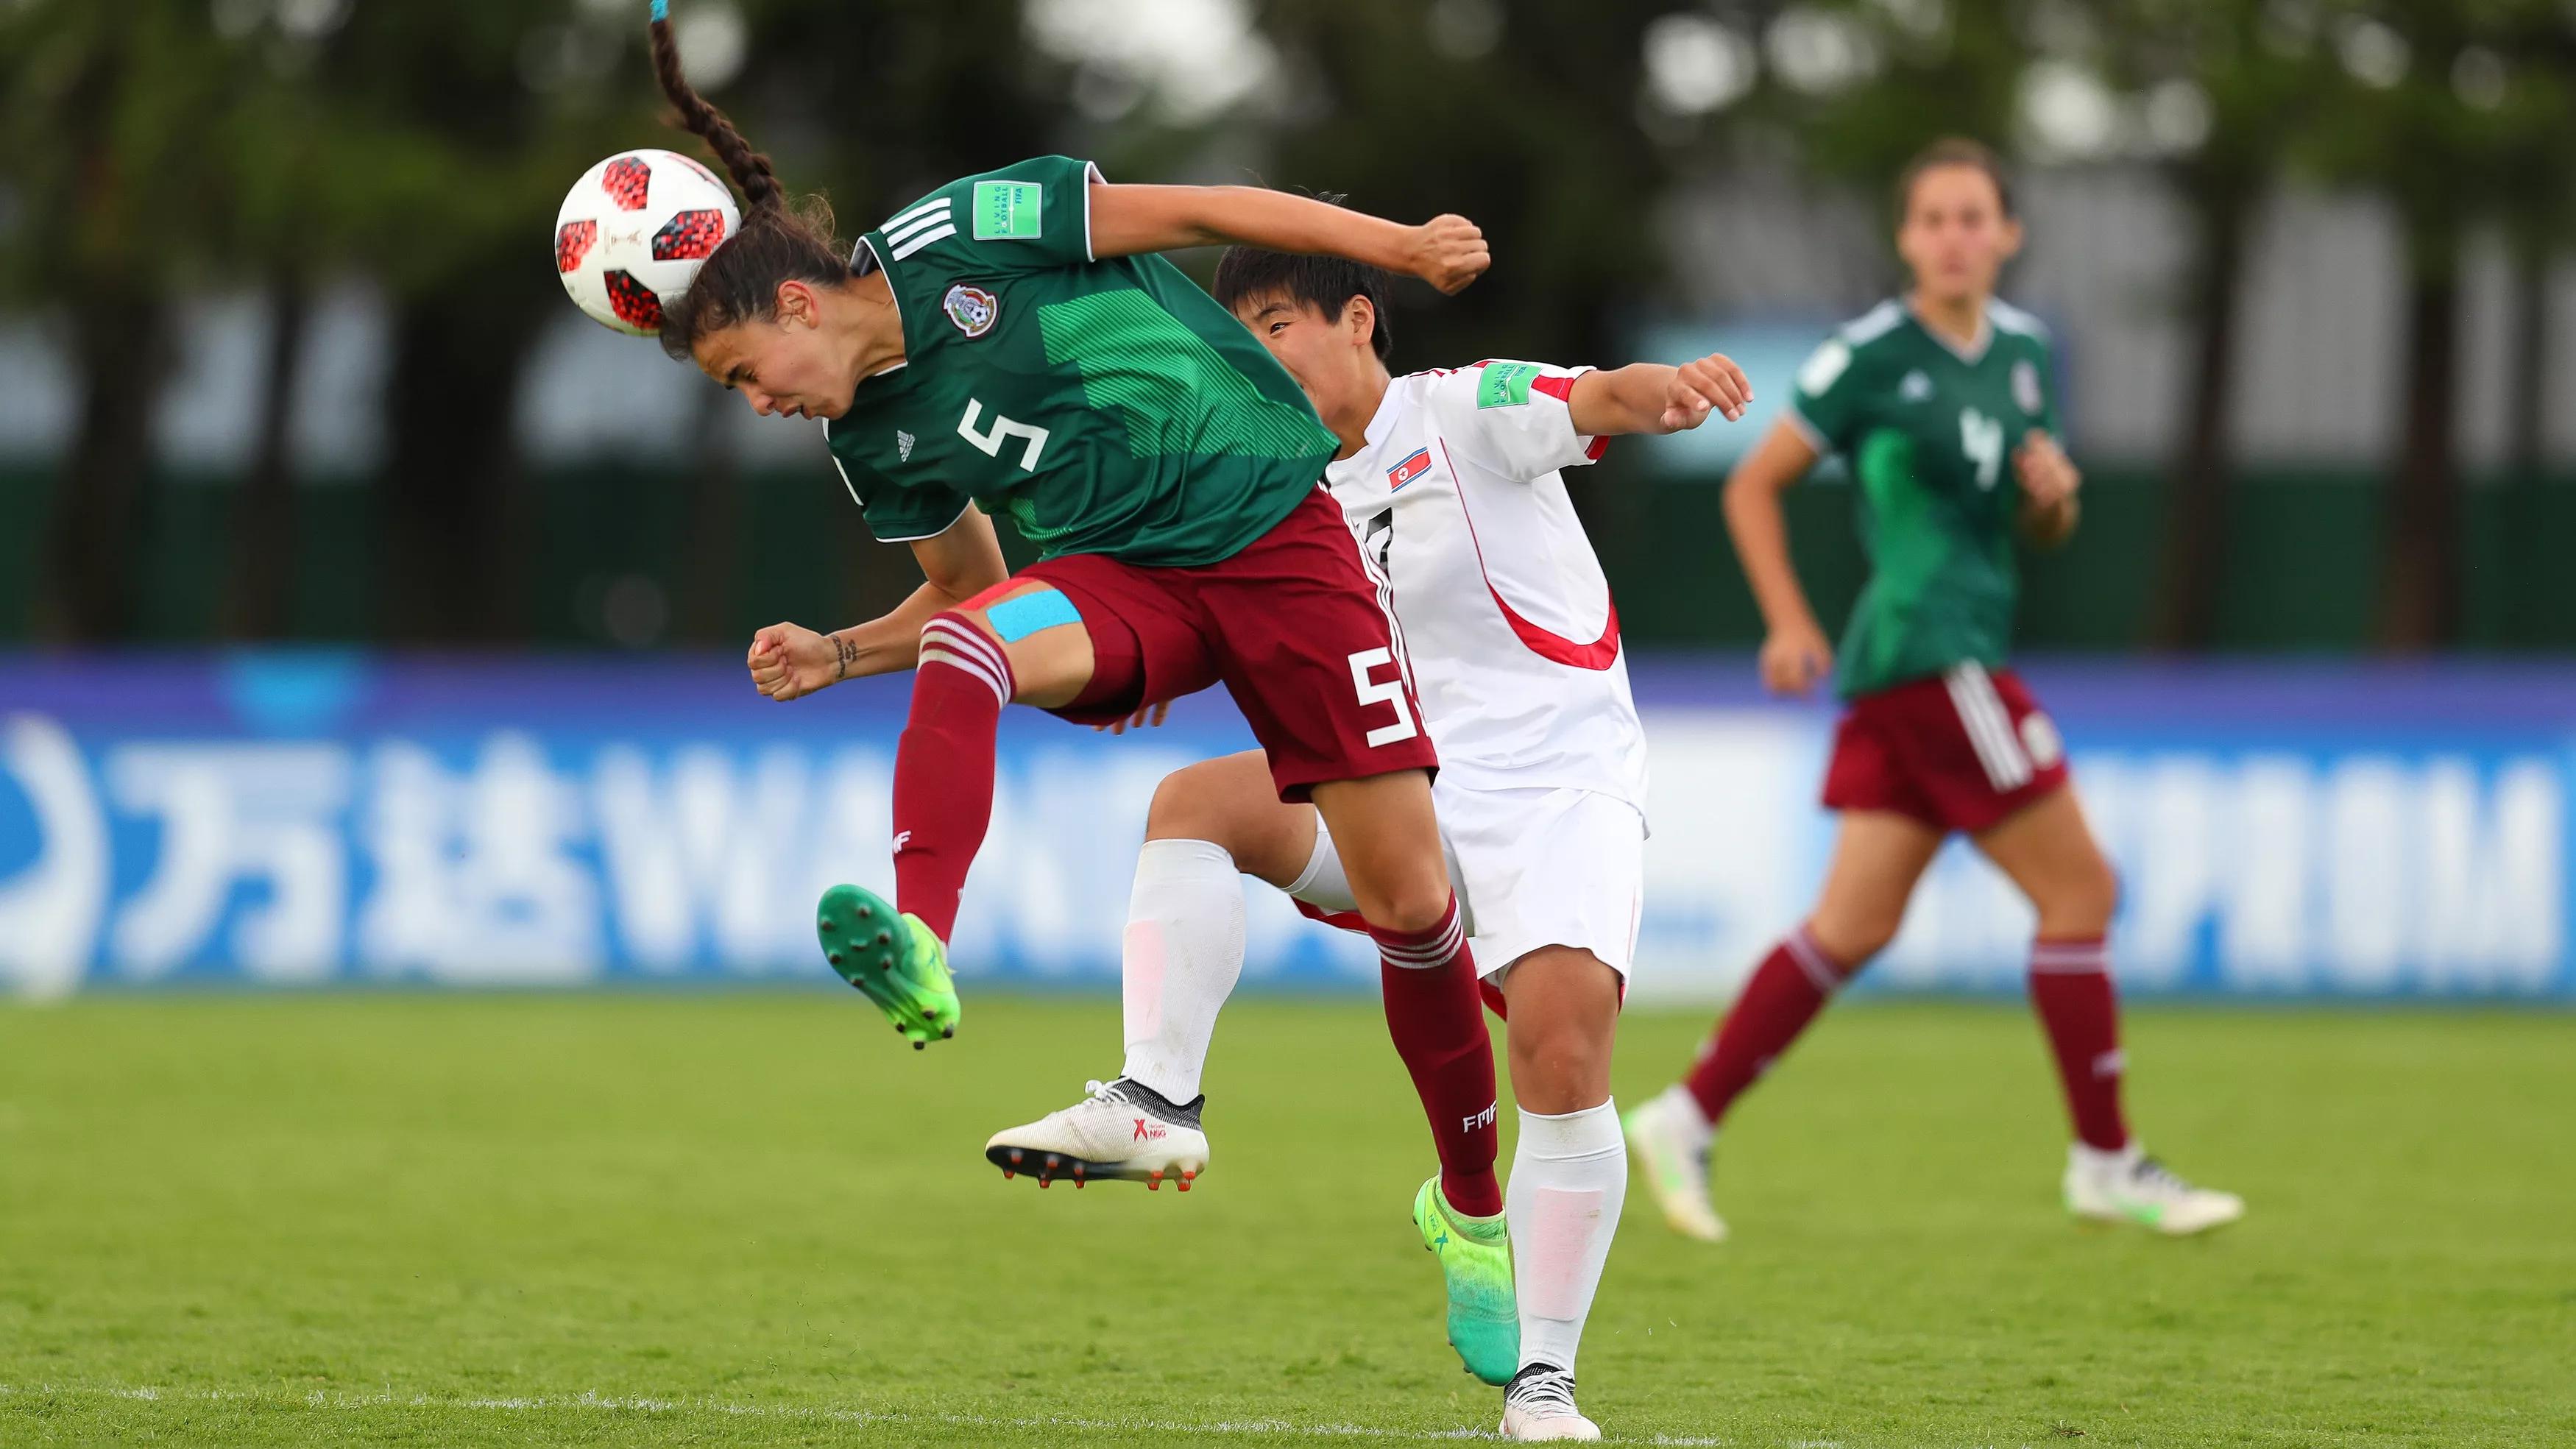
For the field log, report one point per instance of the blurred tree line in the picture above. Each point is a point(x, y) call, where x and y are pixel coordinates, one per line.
point(158, 148)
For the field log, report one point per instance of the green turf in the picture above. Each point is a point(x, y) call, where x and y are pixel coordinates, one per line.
point(760, 1220)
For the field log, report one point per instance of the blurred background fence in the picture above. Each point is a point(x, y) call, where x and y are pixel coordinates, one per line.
point(282, 363)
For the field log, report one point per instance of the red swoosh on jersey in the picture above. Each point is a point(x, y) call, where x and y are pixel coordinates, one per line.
point(1600, 654)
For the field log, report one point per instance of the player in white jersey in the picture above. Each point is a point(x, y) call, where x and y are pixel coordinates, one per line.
point(1451, 478)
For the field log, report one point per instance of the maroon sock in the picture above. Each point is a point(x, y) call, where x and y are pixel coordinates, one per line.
point(1783, 995)
point(1438, 1022)
point(2070, 986)
point(943, 768)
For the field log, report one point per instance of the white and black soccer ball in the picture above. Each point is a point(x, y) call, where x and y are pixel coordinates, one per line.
point(634, 230)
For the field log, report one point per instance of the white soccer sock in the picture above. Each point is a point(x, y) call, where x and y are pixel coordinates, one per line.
point(1182, 955)
point(1569, 1178)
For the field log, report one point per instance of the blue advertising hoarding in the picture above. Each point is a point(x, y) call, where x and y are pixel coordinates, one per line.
point(311, 819)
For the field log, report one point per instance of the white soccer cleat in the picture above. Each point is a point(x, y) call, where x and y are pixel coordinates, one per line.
point(1669, 1141)
point(1538, 1405)
point(1122, 1129)
point(2130, 1187)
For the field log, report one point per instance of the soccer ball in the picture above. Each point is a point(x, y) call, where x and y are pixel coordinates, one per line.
point(634, 230)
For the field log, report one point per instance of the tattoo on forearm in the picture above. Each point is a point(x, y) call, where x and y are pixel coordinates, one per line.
point(848, 652)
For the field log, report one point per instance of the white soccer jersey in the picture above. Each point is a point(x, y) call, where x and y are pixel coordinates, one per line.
point(1502, 605)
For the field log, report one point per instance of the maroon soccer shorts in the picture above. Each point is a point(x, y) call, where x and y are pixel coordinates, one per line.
point(1294, 627)
point(1958, 751)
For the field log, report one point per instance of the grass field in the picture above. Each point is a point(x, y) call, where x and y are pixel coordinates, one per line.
point(757, 1220)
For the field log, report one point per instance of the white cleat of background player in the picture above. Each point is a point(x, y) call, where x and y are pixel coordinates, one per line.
point(1113, 1132)
point(1539, 1405)
point(2128, 1186)
point(1670, 1141)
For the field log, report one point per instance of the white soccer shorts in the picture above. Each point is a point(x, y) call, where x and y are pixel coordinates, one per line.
point(1532, 868)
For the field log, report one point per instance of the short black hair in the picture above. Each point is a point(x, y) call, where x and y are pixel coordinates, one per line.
point(1326, 284)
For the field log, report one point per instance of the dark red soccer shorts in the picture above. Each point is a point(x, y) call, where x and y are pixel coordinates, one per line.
point(1292, 626)
point(1958, 751)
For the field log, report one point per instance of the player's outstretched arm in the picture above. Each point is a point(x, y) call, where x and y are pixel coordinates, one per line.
point(1795, 653)
point(789, 661)
point(1648, 397)
point(1446, 251)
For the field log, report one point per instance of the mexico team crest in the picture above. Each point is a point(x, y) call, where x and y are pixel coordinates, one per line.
point(972, 308)
point(2025, 386)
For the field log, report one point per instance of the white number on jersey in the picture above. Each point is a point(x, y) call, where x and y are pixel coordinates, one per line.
point(1391, 692)
point(1380, 535)
point(991, 443)
point(1982, 439)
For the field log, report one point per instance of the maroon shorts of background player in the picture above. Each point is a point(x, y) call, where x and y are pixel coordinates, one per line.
point(1293, 627)
point(1958, 751)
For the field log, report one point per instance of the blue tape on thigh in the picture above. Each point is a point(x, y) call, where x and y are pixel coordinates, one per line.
point(1016, 619)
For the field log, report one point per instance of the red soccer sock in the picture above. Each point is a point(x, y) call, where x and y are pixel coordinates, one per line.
point(2070, 987)
point(1438, 1022)
point(1784, 993)
point(943, 768)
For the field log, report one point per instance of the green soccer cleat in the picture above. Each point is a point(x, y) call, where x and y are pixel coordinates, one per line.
point(1476, 1258)
point(893, 958)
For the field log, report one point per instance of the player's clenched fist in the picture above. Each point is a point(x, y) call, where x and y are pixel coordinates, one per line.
point(1795, 658)
point(1449, 252)
point(789, 660)
point(1712, 384)
point(2048, 476)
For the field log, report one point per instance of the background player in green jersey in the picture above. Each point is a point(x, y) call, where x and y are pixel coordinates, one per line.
point(1011, 341)
point(1941, 403)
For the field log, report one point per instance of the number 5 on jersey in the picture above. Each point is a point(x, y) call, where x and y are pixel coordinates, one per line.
point(990, 443)
point(1391, 692)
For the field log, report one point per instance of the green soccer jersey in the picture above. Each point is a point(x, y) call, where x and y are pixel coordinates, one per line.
point(1928, 431)
point(1105, 406)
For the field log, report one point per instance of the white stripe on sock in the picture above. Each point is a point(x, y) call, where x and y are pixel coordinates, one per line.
point(2068, 959)
point(937, 654)
point(1802, 949)
point(946, 641)
point(967, 639)
point(1438, 952)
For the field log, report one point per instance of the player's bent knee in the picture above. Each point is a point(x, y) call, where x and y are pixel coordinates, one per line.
point(1852, 941)
point(1559, 1063)
point(1410, 906)
point(2082, 907)
point(1184, 807)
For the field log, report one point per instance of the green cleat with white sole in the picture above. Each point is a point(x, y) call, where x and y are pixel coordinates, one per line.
point(1476, 1259)
point(893, 958)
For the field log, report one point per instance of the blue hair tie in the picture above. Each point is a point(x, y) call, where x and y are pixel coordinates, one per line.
point(661, 9)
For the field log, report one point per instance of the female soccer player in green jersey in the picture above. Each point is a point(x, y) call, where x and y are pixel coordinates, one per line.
point(1941, 404)
point(1010, 344)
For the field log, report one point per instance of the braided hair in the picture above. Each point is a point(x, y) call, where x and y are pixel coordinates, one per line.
point(781, 239)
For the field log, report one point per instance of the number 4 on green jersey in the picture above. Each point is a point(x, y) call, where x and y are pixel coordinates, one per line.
point(1928, 430)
